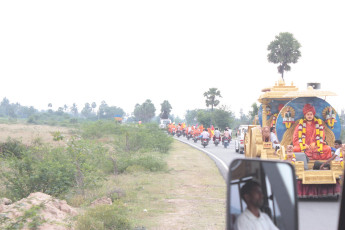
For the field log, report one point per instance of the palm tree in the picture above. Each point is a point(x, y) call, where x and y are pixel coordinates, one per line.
point(211, 97)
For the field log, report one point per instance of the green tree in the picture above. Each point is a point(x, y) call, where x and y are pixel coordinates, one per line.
point(204, 117)
point(50, 105)
point(86, 111)
point(108, 112)
point(253, 112)
point(223, 118)
point(93, 105)
point(165, 110)
point(144, 112)
point(74, 109)
point(5, 106)
point(283, 51)
point(191, 117)
point(211, 97)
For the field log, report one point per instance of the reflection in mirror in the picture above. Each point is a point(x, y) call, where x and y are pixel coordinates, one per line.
point(261, 195)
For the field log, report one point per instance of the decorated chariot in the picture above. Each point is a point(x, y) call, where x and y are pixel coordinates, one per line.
point(299, 126)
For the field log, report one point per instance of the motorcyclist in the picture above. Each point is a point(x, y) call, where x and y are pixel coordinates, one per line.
point(205, 135)
point(216, 134)
point(226, 135)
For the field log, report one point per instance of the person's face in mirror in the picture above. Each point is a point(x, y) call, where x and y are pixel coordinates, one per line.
point(255, 197)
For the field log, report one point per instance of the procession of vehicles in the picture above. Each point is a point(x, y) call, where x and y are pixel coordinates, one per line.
point(196, 133)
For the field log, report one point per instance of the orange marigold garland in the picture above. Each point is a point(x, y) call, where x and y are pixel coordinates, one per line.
point(302, 129)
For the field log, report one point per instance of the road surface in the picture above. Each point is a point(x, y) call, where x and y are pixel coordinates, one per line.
point(313, 214)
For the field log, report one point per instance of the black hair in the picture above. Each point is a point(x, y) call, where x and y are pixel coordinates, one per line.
point(317, 165)
point(339, 142)
point(271, 129)
point(248, 187)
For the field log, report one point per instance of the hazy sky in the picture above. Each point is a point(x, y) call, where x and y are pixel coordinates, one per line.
point(125, 52)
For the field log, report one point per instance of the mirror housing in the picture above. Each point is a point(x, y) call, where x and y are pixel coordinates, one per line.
point(277, 180)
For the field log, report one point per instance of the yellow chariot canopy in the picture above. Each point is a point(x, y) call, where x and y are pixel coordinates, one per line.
point(278, 91)
point(310, 92)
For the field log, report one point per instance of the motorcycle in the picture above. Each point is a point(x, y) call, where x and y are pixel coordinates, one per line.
point(178, 133)
point(216, 141)
point(189, 136)
point(195, 139)
point(204, 142)
point(226, 142)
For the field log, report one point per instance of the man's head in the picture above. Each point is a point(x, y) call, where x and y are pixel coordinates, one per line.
point(266, 132)
point(251, 193)
point(309, 112)
point(216, 128)
point(272, 129)
point(337, 144)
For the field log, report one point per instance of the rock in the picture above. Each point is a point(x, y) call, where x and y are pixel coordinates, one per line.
point(57, 214)
point(100, 201)
point(5, 201)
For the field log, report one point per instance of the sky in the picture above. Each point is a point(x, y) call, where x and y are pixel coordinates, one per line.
point(124, 52)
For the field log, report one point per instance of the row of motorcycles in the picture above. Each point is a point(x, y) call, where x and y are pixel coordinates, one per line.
point(204, 141)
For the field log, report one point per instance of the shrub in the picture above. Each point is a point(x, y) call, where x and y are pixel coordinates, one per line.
point(104, 217)
point(57, 136)
point(48, 172)
point(99, 129)
point(147, 162)
point(12, 148)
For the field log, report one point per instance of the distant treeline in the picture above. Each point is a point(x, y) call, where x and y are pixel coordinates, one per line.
point(65, 114)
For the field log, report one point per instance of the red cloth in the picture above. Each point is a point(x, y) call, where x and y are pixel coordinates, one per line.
point(308, 108)
point(280, 107)
point(317, 190)
point(313, 154)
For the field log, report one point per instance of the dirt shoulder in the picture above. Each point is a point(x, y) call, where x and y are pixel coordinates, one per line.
point(198, 199)
point(191, 195)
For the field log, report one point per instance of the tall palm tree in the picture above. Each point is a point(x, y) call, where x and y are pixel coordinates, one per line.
point(211, 97)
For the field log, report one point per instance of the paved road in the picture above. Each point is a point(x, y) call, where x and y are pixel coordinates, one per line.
point(313, 214)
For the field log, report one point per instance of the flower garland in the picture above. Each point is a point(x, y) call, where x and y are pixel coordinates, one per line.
point(274, 120)
point(341, 156)
point(302, 129)
point(291, 159)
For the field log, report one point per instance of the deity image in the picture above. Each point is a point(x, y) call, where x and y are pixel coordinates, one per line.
point(330, 116)
point(287, 114)
point(309, 136)
point(274, 116)
point(268, 110)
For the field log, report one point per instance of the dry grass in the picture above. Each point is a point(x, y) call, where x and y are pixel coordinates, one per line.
point(28, 133)
point(190, 196)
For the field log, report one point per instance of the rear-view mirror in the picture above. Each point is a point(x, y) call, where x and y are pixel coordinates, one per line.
point(261, 192)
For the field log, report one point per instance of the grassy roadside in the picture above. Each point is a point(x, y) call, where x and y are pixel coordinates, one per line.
point(187, 193)
point(190, 195)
